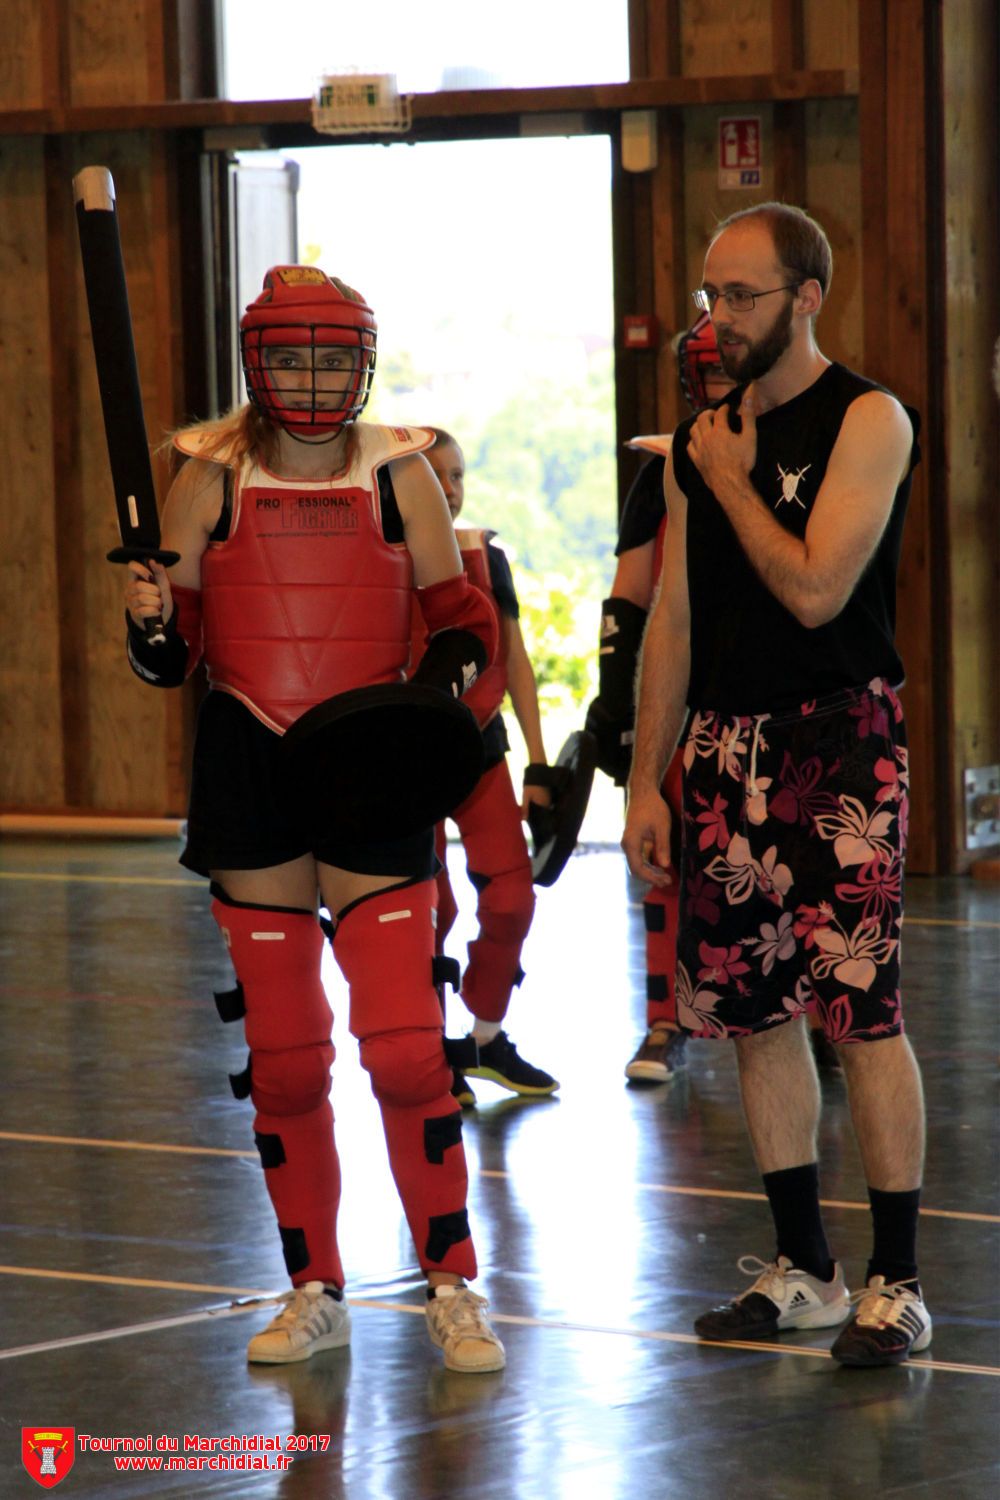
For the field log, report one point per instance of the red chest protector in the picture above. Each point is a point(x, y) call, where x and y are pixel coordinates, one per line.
point(487, 692)
point(306, 598)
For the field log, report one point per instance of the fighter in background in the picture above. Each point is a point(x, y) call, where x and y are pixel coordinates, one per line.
point(489, 821)
point(662, 1052)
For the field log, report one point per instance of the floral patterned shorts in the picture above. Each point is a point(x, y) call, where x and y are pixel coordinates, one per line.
point(792, 868)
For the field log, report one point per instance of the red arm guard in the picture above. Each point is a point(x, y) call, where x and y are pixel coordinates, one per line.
point(456, 604)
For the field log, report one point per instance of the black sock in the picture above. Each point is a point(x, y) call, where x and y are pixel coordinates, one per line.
point(894, 1250)
point(793, 1194)
point(335, 1292)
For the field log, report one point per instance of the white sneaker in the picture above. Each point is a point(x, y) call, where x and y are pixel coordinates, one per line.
point(310, 1321)
point(891, 1323)
point(781, 1297)
point(457, 1324)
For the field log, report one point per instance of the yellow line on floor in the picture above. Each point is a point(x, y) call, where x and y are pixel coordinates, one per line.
point(76, 1140)
point(562, 1325)
point(648, 1187)
point(165, 1286)
point(945, 922)
point(693, 1192)
point(194, 882)
point(699, 1192)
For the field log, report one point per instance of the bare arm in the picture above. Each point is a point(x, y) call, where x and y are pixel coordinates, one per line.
point(634, 575)
point(523, 691)
point(427, 524)
point(190, 512)
point(815, 576)
point(664, 672)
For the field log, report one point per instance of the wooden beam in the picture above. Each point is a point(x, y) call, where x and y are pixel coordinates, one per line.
point(437, 108)
point(788, 36)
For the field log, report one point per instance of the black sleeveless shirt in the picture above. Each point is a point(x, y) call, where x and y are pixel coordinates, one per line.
point(749, 654)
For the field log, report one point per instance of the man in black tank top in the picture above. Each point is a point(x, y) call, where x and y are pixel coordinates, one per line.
point(774, 626)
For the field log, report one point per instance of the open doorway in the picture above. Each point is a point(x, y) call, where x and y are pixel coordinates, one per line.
point(489, 266)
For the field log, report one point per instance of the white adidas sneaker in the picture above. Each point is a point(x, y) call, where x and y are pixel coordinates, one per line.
point(310, 1320)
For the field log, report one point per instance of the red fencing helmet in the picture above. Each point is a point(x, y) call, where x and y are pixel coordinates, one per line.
point(697, 358)
point(308, 349)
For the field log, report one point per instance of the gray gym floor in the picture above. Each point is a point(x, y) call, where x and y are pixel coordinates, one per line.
point(137, 1234)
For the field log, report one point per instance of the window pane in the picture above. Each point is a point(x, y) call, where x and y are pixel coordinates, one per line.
point(279, 52)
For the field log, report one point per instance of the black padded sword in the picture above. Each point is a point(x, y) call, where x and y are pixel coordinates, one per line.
point(118, 377)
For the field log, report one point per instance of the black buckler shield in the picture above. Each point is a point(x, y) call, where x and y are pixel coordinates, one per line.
point(383, 762)
point(555, 829)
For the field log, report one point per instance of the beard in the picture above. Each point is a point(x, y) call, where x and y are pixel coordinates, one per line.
point(756, 359)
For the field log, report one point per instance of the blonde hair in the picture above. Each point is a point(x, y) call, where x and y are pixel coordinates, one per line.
point(243, 433)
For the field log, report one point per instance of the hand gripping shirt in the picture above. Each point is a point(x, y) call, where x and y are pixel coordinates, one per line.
point(305, 598)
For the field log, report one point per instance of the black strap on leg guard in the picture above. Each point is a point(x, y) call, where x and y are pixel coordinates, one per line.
point(656, 987)
point(444, 971)
point(440, 1132)
point(654, 916)
point(241, 1083)
point(294, 1249)
point(231, 1004)
point(461, 1052)
point(445, 1230)
point(272, 1152)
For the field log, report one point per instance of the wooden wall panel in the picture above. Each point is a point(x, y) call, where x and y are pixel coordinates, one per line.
point(972, 410)
point(705, 202)
point(126, 764)
point(725, 36)
point(108, 56)
point(830, 30)
point(31, 761)
point(898, 334)
point(833, 196)
point(21, 55)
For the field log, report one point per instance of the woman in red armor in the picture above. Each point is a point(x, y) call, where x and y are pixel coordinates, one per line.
point(304, 536)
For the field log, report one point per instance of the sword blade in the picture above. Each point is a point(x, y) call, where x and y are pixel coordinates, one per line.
point(114, 353)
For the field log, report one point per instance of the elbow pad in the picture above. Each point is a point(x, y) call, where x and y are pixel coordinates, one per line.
point(169, 664)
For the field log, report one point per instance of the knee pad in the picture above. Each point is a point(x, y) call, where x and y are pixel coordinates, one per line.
point(406, 1068)
point(277, 953)
point(506, 904)
point(384, 945)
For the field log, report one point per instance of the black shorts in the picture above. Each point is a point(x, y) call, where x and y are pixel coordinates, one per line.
point(241, 818)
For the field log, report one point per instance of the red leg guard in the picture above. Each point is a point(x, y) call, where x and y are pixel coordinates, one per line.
point(497, 860)
point(660, 910)
point(447, 907)
point(384, 945)
point(277, 956)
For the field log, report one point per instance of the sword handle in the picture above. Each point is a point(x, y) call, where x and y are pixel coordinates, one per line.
point(153, 625)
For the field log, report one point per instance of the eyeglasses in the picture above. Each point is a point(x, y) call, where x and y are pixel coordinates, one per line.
point(738, 300)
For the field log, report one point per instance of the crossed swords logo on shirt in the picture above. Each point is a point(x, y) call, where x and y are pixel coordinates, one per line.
point(790, 485)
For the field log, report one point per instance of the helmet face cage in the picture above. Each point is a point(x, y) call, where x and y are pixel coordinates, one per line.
point(307, 346)
point(697, 357)
point(308, 377)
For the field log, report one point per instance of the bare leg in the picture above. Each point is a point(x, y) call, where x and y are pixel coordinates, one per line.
point(887, 1107)
point(780, 1094)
